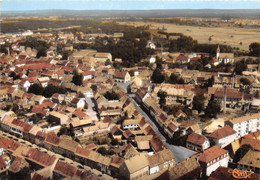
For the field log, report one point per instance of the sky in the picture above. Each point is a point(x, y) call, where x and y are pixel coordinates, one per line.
point(24, 5)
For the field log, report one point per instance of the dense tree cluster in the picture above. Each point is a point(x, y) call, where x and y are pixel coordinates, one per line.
point(77, 78)
point(47, 91)
point(14, 75)
point(240, 66)
point(162, 95)
point(175, 79)
point(198, 102)
point(111, 95)
point(254, 49)
point(157, 76)
point(212, 109)
point(39, 45)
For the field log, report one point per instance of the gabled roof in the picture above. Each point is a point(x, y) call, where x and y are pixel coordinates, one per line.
point(120, 74)
point(117, 161)
point(171, 127)
point(211, 154)
point(157, 143)
point(65, 169)
point(79, 114)
point(8, 144)
point(82, 151)
point(40, 157)
point(196, 139)
point(52, 138)
point(255, 144)
point(222, 132)
point(2, 163)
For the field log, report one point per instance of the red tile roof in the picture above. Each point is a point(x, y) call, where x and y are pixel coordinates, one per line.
point(37, 177)
point(222, 132)
point(197, 139)
point(40, 135)
point(65, 169)
point(182, 58)
point(117, 160)
point(187, 124)
point(79, 114)
point(233, 95)
point(127, 133)
point(8, 144)
point(171, 127)
point(149, 130)
point(157, 143)
point(211, 154)
point(52, 138)
point(120, 74)
point(163, 117)
point(82, 151)
point(40, 157)
point(142, 122)
point(254, 143)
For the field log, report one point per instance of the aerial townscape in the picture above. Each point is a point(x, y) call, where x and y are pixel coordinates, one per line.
point(135, 96)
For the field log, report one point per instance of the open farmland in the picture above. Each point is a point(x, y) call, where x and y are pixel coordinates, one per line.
point(222, 35)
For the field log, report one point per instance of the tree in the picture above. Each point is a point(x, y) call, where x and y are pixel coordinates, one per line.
point(77, 79)
point(212, 109)
point(175, 79)
point(245, 81)
point(199, 102)
point(162, 95)
point(102, 150)
point(240, 66)
point(14, 75)
point(254, 49)
point(241, 152)
point(157, 76)
point(36, 89)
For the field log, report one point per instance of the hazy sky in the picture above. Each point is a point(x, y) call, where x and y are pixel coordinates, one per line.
point(14, 5)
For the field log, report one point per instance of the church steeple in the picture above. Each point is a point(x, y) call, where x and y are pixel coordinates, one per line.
point(218, 52)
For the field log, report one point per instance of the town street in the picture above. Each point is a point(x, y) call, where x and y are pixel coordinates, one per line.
point(179, 152)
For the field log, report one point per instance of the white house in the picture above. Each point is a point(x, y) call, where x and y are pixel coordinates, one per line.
point(212, 158)
point(161, 160)
point(78, 102)
point(245, 125)
point(223, 136)
point(43, 81)
point(130, 123)
point(88, 75)
point(24, 84)
point(197, 142)
point(152, 60)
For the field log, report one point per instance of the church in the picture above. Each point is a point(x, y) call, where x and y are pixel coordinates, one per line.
point(224, 57)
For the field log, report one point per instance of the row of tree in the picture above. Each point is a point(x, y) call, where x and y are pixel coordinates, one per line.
point(46, 91)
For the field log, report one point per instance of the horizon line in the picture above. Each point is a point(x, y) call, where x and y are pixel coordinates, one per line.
point(118, 9)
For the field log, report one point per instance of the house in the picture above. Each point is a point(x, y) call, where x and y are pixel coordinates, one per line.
point(189, 127)
point(143, 142)
point(58, 118)
point(115, 166)
point(121, 76)
point(130, 124)
point(135, 167)
point(212, 158)
point(223, 136)
point(88, 75)
point(68, 47)
point(182, 59)
point(24, 84)
point(51, 141)
point(170, 129)
point(245, 125)
point(161, 160)
point(39, 159)
point(43, 81)
point(250, 162)
point(67, 147)
point(187, 169)
point(78, 102)
point(4, 163)
point(197, 142)
point(102, 57)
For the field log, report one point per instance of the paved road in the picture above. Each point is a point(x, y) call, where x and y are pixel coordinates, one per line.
point(179, 152)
